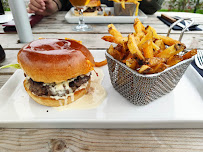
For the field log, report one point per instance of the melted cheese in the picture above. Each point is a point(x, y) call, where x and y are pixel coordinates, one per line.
point(59, 88)
point(93, 98)
point(71, 94)
point(60, 103)
point(62, 87)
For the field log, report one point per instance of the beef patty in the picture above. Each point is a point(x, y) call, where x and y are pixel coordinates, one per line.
point(92, 9)
point(44, 89)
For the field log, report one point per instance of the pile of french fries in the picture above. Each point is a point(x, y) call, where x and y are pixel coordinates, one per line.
point(144, 50)
point(129, 1)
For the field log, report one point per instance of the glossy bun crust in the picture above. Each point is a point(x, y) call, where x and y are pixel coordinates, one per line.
point(47, 101)
point(54, 60)
point(94, 3)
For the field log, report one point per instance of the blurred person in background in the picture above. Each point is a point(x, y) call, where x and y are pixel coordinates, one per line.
point(49, 7)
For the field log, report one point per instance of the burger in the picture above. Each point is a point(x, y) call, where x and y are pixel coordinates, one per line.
point(92, 8)
point(57, 71)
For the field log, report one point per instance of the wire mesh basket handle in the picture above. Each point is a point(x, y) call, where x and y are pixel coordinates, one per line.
point(184, 29)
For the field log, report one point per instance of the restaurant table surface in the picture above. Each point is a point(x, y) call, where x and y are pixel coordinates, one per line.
point(139, 140)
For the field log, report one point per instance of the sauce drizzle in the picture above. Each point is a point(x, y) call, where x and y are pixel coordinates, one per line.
point(93, 98)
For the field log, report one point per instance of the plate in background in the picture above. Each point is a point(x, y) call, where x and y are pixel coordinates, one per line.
point(71, 18)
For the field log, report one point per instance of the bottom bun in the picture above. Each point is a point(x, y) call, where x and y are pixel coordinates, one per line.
point(86, 13)
point(47, 101)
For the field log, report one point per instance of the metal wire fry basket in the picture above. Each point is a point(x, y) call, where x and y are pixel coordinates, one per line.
point(142, 89)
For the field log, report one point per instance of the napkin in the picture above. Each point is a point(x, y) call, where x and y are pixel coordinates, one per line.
point(5, 18)
point(200, 71)
point(10, 26)
point(192, 28)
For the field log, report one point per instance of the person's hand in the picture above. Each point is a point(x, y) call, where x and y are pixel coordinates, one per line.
point(43, 7)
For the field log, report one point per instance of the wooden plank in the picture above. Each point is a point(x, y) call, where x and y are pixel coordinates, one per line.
point(61, 28)
point(57, 24)
point(59, 20)
point(91, 41)
point(3, 79)
point(152, 19)
point(11, 58)
point(97, 28)
point(103, 140)
point(101, 28)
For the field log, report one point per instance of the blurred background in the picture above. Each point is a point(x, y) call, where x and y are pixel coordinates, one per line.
point(195, 6)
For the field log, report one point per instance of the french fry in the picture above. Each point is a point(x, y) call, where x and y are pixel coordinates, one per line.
point(110, 39)
point(137, 8)
point(137, 39)
point(118, 40)
point(132, 63)
point(117, 1)
point(102, 63)
point(139, 36)
point(121, 40)
point(73, 40)
point(128, 56)
point(132, 46)
point(133, 1)
point(155, 35)
point(160, 44)
point(154, 61)
point(138, 26)
point(113, 31)
point(123, 4)
point(171, 51)
point(124, 48)
point(144, 69)
point(129, 1)
point(168, 41)
point(160, 67)
point(144, 50)
point(115, 53)
point(148, 49)
point(147, 37)
point(174, 60)
point(155, 47)
point(158, 47)
point(190, 54)
point(111, 50)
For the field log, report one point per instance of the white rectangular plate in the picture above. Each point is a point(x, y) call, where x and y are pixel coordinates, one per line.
point(71, 18)
point(181, 108)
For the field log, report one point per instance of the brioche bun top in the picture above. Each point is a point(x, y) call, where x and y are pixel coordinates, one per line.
point(54, 60)
point(94, 3)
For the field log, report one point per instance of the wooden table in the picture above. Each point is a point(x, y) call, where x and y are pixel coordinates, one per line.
point(139, 140)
